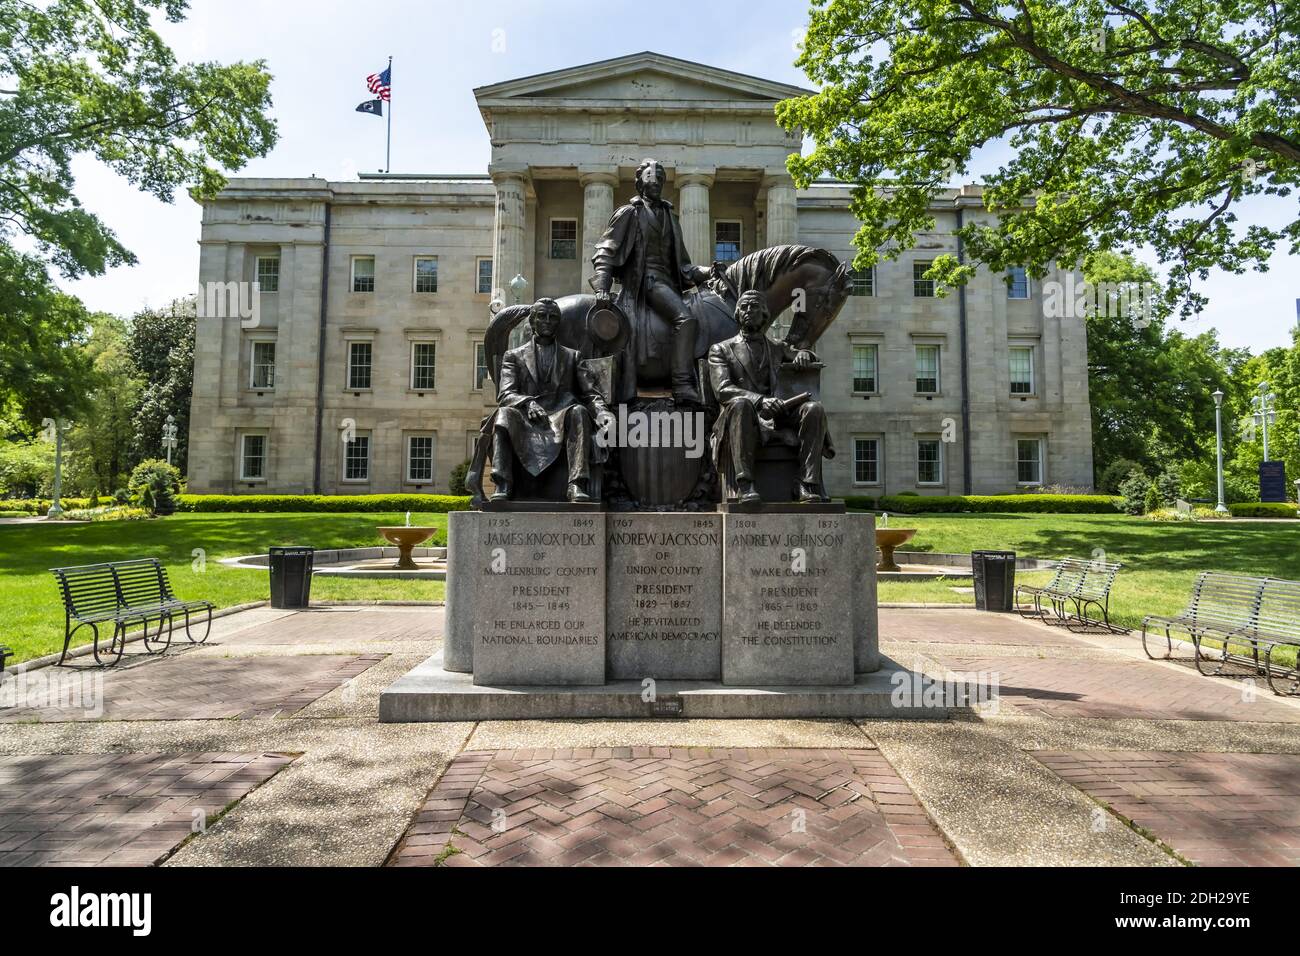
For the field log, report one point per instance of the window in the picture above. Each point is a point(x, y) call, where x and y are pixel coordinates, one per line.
point(862, 281)
point(866, 461)
point(726, 240)
point(359, 361)
point(263, 365)
point(564, 238)
point(423, 359)
point(929, 461)
point(426, 273)
point(268, 273)
point(484, 286)
point(419, 459)
point(864, 368)
point(922, 288)
point(1029, 461)
point(927, 369)
point(252, 458)
point(1017, 283)
point(363, 273)
point(1022, 370)
point(356, 459)
point(480, 365)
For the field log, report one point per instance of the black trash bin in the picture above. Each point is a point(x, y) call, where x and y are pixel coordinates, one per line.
point(291, 576)
point(995, 579)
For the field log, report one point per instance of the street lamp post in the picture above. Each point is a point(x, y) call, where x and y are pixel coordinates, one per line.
point(1221, 508)
point(517, 286)
point(169, 436)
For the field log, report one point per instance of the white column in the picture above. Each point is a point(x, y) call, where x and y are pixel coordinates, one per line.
point(508, 253)
point(693, 187)
point(597, 206)
point(782, 218)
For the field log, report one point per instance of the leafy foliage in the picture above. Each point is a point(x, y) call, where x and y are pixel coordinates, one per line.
point(154, 486)
point(161, 347)
point(994, 504)
point(334, 503)
point(1127, 124)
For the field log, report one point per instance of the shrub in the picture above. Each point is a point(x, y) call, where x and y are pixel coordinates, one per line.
point(1133, 493)
point(992, 504)
point(154, 486)
point(456, 485)
point(1113, 475)
point(121, 496)
point(1168, 487)
point(335, 503)
point(860, 502)
point(38, 506)
point(1263, 509)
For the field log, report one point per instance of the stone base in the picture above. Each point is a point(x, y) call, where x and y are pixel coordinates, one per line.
point(430, 693)
point(527, 506)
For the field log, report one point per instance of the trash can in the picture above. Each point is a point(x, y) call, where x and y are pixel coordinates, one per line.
point(995, 579)
point(291, 576)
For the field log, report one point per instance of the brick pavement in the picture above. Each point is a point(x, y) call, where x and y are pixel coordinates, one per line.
point(188, 686)
point(1214, 809)
point(117, 809)
point(672, 806)
point(1060, 687)
point(334, 624)
point(963, 626)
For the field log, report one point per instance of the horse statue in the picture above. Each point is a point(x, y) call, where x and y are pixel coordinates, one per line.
point(812, 281)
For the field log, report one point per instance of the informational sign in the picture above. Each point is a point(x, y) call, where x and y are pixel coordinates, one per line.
point(1272, 481)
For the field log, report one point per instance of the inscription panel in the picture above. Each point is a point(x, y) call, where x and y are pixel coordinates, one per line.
point(665, 596)
point(539, 610)
point(789, 599)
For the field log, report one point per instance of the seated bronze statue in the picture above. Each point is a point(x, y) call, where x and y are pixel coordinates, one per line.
point(743, 376)
point(546, 403)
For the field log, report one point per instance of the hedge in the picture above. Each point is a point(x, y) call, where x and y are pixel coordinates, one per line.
point(860, 502)
point(988, 504)
point(38, 506)
point(1263, 509)
point(283, 503)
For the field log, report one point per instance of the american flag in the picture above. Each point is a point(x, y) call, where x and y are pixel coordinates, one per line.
point(381, 84)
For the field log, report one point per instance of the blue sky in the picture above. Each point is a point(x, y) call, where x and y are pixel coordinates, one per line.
point(320, 53)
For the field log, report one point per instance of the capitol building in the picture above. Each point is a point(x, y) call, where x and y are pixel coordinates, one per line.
point(363, 370)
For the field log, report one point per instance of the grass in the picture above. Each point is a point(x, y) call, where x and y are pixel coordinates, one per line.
point(1160, 559)
point(31, 614)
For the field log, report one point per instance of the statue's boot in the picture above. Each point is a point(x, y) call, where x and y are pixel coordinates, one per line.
point(746, 494)
point(685, 391)
point(578, 492)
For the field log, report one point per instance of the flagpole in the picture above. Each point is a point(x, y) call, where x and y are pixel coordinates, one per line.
point(388, 148)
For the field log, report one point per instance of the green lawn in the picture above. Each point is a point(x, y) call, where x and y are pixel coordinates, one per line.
point(1160, 559)
point(31, 615)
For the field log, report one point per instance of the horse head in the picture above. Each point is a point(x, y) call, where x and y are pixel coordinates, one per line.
point(824, 300)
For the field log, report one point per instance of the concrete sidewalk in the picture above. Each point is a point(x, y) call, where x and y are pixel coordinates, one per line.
point(263, 747)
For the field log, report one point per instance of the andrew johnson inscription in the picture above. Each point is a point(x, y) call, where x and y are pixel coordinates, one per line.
point(788, 604)
point(540, 599)
point(665, 596)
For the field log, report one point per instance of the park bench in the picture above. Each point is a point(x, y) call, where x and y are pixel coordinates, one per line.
point(1081, 582)
point(124, 593)
point(5, 654)
point(1237, 619)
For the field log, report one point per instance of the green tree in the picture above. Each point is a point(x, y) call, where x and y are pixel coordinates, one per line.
point(92, 78)
point(1127, 124)
point(100, 440)
point(161, 347)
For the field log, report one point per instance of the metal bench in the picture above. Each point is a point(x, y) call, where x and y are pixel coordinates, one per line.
point(1237, 620)
point(124, 593)
point(5, 654)
point(1082, 583)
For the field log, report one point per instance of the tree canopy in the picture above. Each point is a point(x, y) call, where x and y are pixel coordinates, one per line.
point(1131, 123)
point(92, 78)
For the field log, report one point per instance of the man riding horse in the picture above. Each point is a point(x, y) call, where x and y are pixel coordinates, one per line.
point(642, 247)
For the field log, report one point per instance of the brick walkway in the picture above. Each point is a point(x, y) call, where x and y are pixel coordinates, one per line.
point(1093, 688)
point(672, 806)
point(1214, 809)
point(954, 626)
point(116, 809)
point(323, 626)
point(189, 687)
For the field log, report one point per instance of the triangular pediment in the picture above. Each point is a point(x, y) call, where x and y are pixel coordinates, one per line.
point(639, 77)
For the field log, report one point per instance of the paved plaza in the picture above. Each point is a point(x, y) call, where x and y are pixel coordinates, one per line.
point(264, 747)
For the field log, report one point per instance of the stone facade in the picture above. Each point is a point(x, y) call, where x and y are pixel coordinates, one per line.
point(326, 384)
